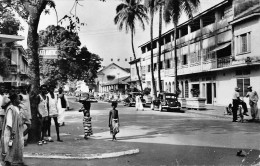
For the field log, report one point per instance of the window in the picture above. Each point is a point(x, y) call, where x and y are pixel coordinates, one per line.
point(143, 50)
point(243, 83)
point(130, 58)
point(186, 89)
point(111, 59)
point(168, 64)
point(184, 60)
point(167, 38)
point(126, 59)
point(149, 68)
point(118, 59)
point(244, 43)
point(154, 66)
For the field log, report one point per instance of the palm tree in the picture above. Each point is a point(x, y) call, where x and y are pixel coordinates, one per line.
point(161, 4)
point(126, 15)
point(172, 12)
point(152, 6)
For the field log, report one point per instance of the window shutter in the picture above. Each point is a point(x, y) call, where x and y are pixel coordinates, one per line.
point(249, 42)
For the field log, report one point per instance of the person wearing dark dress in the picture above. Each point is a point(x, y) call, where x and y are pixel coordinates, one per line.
point(86, 117)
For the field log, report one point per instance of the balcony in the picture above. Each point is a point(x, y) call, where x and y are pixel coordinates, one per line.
point(224, 62)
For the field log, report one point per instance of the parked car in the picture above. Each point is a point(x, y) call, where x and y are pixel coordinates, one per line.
point(147, 100)
point(167, 101)
point(130, 100)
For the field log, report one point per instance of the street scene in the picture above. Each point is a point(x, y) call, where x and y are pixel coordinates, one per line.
point(129, 82)
point(162, 138)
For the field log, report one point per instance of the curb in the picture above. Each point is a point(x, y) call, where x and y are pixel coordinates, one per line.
point(210, 115)
point(80, 156)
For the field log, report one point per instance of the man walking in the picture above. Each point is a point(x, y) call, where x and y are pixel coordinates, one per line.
point(253, 99)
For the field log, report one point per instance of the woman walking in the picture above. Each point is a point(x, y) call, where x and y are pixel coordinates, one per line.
point(86, 116)
point(113, 122)
point(12, 134)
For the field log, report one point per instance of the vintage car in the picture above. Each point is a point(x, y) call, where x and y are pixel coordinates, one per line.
point(130, 100)
point(147, 100)
point(167, 101)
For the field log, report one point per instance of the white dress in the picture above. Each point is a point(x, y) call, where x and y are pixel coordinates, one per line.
point(61, 110)
point(53, 110)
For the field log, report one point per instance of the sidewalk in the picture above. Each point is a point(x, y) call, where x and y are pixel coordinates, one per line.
point(215, 111)
point(79, 148)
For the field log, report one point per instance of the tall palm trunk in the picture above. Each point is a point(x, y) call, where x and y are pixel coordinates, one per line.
point(175, 59)
point(132, 42)
point(32, 42)
point(159, 51)
point(152, 70)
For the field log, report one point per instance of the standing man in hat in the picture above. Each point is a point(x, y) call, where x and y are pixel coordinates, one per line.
point(253, 99)
point(235, 100)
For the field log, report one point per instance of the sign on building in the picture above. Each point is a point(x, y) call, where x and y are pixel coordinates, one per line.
point(49, 52)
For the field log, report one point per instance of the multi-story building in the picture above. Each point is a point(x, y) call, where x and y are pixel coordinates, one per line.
point(217, 51)
point(18, 61)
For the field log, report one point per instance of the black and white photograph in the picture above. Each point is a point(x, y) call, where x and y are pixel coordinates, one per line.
point(129, 82)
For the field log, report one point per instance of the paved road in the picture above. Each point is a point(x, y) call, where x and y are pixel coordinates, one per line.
point(166, 138)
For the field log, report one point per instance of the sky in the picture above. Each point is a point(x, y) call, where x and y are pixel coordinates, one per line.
point(101, 36)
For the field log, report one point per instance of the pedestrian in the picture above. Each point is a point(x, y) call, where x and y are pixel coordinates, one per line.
point(26, 106)
point(86, 116)
point(253, 99)
point(113, 122)
point(2, 111)
point(62, 105)
point(53, 114)
point(12, 134)
point(236, 102)
point(138, 103)
point(43, 105)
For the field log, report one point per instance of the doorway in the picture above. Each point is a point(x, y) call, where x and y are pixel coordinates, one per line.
point(209, 93)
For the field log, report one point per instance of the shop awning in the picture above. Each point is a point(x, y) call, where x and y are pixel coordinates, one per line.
point(10, 38)
point(222, 46)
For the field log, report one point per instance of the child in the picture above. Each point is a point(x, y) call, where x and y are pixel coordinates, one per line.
point(86, 119)
point(113, 122)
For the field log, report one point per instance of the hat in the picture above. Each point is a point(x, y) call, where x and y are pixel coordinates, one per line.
point(237, 88)
point(249, 87)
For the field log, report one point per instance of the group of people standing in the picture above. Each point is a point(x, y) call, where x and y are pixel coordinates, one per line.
point(15, 119)
point(253, 99)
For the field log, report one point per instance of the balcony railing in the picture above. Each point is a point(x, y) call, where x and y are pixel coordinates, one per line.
point(224, 62)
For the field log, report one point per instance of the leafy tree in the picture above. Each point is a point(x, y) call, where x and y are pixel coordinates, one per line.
point(127, 13)
point(172, 12)
point(73, 63)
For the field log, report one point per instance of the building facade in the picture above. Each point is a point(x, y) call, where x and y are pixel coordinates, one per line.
point(217, 51)
point(113, 78)
point(17, 57)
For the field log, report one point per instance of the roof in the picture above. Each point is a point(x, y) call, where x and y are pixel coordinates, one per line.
point(125, 69)
point(122, 80)
point(246, 14)
point(10, 38)
point(190, 20)
point(134, 61)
